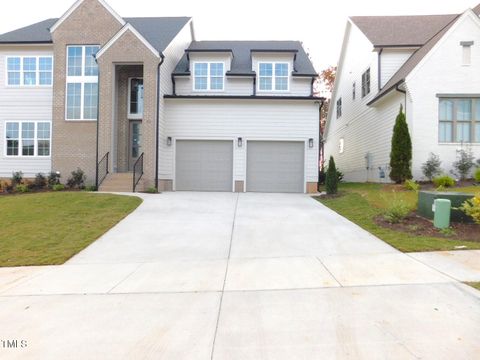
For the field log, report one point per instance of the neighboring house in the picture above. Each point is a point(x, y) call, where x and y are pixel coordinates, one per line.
point(428, 64)
point(189, 115)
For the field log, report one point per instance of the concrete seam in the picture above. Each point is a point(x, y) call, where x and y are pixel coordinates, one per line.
point(328, 270)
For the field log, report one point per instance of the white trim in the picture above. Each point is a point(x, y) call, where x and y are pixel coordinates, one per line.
point(20, 140)
point(131, 116)
point(192, 72)
point(274, 64)
point(119, 34)
point(76, 5)
point(21, 71)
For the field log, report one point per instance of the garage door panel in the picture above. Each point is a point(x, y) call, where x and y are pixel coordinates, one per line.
point(204, 165)
point(275, 166)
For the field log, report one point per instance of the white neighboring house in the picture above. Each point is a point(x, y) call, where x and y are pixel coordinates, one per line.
point(428, 64)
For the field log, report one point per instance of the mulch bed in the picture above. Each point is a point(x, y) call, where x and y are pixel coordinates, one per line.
point(419, 226)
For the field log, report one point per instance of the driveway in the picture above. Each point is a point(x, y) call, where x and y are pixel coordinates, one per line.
point(237, 276)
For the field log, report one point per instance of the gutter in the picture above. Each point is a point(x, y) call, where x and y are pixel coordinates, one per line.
point(380, 69)
point(98, 121)
point(157, 135)
point(385, 92)
point(405, 93)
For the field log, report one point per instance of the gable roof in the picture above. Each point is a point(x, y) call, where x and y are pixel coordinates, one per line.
point(158, 31)
point(241, 55)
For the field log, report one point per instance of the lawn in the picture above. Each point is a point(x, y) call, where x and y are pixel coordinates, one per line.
point(475, 285)
point(362, 203)
point(49, 228)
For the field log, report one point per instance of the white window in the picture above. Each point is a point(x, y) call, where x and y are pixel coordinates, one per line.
point(339, 108)
point(82, 83)
point(28, 138)
point(135, 98)
point(466, 52)
point(208, 76)
point(273, 76)
point(366, 83)
point(341, 146)
point(459, 120)
point(29, 70)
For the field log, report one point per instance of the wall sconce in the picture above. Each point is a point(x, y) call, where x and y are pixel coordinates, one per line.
point(240, 142)
point(310, 143)
point(169, 141)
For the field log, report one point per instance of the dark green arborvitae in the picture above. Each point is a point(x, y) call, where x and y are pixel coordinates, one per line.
point(331, 180)
point(401, 155)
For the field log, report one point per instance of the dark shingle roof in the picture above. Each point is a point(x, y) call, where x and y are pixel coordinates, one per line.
point(159, 31)
point(242, 61)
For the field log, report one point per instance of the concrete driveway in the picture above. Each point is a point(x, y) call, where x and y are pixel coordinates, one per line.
point(229, 276)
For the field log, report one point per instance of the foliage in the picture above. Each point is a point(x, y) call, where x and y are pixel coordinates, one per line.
point(412, 185)
point(444, 181)
point(77, 179)
point(5, 186)
point(464, 163)
point(401, 154)
point(53, 178)
point(151, 190)
point(327, 77)
point(58, 187)
point(476, 175)
point(448, 232)
point(22, 188)
point(90, 188)
point(17, 178)
point(40, 181)
point(396, 211)
point(472, 208)
point(432, 167)
point(331, 180)
point(321, 177)
point(339, 176)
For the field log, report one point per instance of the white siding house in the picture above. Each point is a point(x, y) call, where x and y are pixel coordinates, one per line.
point(418, 72)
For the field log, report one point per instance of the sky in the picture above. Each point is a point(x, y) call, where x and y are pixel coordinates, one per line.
point(318, 24)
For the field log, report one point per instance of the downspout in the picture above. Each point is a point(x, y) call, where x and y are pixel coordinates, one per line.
point(380, 69)
point(311, 90)
point(174, 91)
point(98, 120)
point(255, 85)
point(157, 136)
point(320, 141)
point(405, 93)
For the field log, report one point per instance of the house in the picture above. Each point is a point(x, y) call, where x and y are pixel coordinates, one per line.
point(139, 100)
point(428, 64)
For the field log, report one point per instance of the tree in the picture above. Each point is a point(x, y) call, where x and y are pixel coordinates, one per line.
point(464, 163)
point(431, 167)
point(327, 77)
point(401, 153)
point(331, 180)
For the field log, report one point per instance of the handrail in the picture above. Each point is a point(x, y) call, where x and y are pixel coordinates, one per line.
point(137, 171)
point(103, 167)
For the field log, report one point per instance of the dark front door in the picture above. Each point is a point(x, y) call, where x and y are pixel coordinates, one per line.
point(135, 142)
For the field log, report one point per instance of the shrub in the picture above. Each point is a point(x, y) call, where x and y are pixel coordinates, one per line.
point(464, 163)
point(431, 167)
point(40, 181)
point(17, 178)
point(77, 179)
point(339, 176)
point(58, 187)
point(476, 175)
point(53, 179)
point(472, 208)
point(331, 179)
point(444, 181)
point(22, 188)
point(401, 153)
point(5, 186)
point(152, 190)
point(397, 211)
point(412, 185)
point(90, 188)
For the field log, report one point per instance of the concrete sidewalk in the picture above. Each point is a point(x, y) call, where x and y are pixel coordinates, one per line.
point(238, 276)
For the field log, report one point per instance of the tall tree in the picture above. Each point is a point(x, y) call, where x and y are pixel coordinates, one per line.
point(327, 77)
point(331, 179)
point(401, 153)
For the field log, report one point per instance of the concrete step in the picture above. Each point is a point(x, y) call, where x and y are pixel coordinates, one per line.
point(120, 182)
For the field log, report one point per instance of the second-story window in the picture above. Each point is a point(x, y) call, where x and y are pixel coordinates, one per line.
point(208, 76)
point(82, 83)
point(273, 76)
point(366, 83)
point(339, 108)
point(29, 70)
point(354, 91)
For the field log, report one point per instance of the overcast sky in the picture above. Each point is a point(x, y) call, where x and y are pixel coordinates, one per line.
point(319, 24)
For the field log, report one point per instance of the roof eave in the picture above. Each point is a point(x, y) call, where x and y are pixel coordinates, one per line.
point(393, 87)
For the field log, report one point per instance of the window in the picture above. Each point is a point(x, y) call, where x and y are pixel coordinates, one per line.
point(339, 108)
point(354, 90)
point(135, 98)
point(208, 76)
point(273, 76)
point(28, 138)
point(29, 70)
point(459, 120)
point(82, 83)
point(366, 83)
point(341, 146)
point(466, 52)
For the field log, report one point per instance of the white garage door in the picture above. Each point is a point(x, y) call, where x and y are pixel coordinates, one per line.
point(204, 165)
point(275, 166)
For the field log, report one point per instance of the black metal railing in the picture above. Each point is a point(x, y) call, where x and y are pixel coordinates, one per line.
point(102, 169)
point(137, 171)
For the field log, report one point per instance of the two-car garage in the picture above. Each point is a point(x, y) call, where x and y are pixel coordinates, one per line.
point(271, 166)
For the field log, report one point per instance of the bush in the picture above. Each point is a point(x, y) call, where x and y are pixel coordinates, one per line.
point(40, 181)
point(464, 163)
point(401, 153)
point(77, 180)
point(444, 181)
point(476, 175)
point(339, 176)
point(152, 190)
point(5, 186)
point(331, 179)
point(431, 167)
point(53, 179)
point(22, 188)
point(472, 208)
point(58, 187)
point(17, 178)
point(90, 188)
point(412, 185)
point(397, 211)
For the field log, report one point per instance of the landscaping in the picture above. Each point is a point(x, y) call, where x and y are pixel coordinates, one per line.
point(49, 228)
point(475, 285)
point(388, 212)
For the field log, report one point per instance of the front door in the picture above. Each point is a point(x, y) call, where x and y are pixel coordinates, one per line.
point(135, 142)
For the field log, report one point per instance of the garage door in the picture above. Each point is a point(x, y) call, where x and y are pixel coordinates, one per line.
point(275, 166)
point(202, 165)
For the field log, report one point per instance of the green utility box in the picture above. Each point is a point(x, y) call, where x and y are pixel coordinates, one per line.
point(427, 198)
point(442, 208)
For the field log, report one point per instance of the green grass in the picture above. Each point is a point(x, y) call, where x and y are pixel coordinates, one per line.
point(361, 203)
point(49, 228)
point(475, 285)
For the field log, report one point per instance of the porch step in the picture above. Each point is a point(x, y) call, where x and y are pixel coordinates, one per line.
point(120, 182)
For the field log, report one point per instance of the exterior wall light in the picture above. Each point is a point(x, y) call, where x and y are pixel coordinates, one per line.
point(240, 142)
point(310, 143)
point(169, 141)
